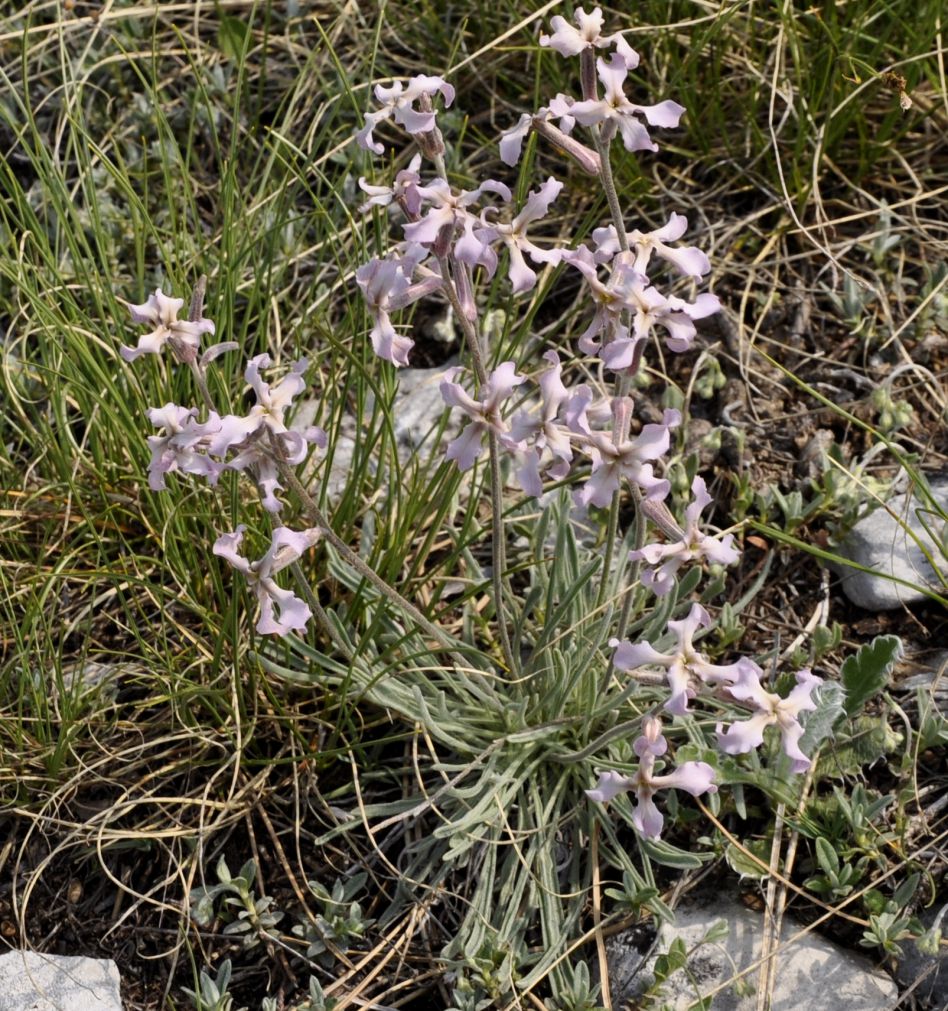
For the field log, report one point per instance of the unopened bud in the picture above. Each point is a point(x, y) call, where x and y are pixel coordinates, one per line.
point(185, 353)
point(442, 242)
point(585, 157)
point(462, 282)
point(196, 310)
point(661, 516)
point(431, 142)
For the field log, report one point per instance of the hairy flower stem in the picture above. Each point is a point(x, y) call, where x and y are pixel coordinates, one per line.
point(612, 198)
point(195, 312)
point(628, 593)
point(315, 516)
point(319, 612)
point(498, 544)
point(200, 379)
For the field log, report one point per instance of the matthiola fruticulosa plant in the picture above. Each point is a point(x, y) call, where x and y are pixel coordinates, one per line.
point(552, 677)
point(450, 239)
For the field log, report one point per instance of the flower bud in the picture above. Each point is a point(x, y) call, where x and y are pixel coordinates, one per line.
point(585, 157)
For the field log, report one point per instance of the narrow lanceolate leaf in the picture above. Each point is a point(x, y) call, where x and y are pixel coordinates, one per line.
point(867, 672)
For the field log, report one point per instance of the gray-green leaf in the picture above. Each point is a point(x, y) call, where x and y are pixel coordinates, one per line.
point(867, 672)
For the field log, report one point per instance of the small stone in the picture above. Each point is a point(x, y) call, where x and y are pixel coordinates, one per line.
point(813, 453)
point(926, 975)
point(808, 968)
point(881, 542)
point(417, 410)
point(30, 981)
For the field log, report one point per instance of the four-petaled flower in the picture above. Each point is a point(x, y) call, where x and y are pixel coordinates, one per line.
point(386, 286)
point(404, 191)
point(684, 665)
point(514, 236)
point(161, 313)
point(772, 710)
point(693, 777)
point(693, 545)
point(485, 414)
point(286, 547)
point(615, 456)
point(182, 446)
point(615, 109)
point(689, 260)
point(570, 41)
point(398, 102)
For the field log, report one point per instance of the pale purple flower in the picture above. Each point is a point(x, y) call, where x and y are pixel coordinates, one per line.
point(161, 313)
point(628, 290)
point(685, 665)
point(561, 109)
point(514, 236)
point(511, 140)
point(287, 546)
point(182, 446)
point(398, 102)
point(387, 286)
point(689, 260)
point(772, 710)
point(258, 455)
point(485, 414)
point(679, 316)
point(570, 41)
point(269, 412)
point(615, 456)
point(693, 545)
point(610, 297)
point(404, 191)
point(450, 210)
point(535, 435)
point(692, 777)
point(262, 435)
point(615, 109)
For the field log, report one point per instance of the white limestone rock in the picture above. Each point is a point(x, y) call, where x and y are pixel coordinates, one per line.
point(881, 542)
point(808, 969)
point(30, 981)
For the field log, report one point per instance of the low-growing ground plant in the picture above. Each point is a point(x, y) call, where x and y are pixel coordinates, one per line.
point(498, 687)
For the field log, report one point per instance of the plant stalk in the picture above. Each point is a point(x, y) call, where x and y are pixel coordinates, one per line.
point(315, 515)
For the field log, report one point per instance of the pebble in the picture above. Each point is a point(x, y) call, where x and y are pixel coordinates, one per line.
point(880, 542)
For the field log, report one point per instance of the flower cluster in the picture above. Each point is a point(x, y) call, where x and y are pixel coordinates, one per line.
point(688, 672)
point(257, 443)
point(452, 237)
point(640, 286)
